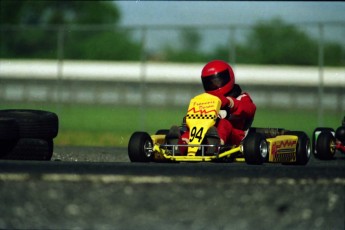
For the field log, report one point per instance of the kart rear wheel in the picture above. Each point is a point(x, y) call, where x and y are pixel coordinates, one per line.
point(325, 146)
point(255, 149)
point(303, 149)
point(315, 136)
point(162, 132)
point(140, 147)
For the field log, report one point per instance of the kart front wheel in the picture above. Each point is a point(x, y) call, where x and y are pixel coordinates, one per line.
point(255, 149)
point(325, 146)
point(140, 147)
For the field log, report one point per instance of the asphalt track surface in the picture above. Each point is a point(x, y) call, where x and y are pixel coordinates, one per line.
point(98, 188)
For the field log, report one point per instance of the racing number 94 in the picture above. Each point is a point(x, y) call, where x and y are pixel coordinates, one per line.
point(196, 134)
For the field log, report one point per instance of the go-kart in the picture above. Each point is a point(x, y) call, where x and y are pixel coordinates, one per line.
point(260, 145)
point(326, 141)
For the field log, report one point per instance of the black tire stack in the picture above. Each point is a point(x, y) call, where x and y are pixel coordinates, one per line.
point(27, 134)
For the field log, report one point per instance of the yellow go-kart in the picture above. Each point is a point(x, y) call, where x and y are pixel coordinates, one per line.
point(260, 145)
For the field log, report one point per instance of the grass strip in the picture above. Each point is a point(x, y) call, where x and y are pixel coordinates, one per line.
point(96, 125)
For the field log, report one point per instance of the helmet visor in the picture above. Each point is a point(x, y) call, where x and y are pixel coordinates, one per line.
point(216, 81)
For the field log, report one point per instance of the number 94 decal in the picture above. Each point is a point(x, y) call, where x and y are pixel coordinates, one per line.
point(195, 133)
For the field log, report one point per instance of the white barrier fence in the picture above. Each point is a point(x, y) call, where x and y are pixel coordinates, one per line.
point(134, 83)
point(166, 72)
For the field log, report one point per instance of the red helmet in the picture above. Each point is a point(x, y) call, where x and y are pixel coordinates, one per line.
point(217, 78)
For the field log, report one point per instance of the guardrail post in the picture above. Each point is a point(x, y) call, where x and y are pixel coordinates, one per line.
point(143, 93)
point(321, 76)
point(60, 59)
point(232, 45)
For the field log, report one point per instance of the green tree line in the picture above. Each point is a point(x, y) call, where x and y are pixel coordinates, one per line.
point(29, 29)
point(277, 42)
point(36, 31)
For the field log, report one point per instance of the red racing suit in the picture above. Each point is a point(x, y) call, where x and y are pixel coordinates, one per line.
point(232, 129)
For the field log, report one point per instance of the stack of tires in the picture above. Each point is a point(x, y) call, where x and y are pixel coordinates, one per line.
point(27, 134)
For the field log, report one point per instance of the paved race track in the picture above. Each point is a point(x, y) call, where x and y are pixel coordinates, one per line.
point(97, 188)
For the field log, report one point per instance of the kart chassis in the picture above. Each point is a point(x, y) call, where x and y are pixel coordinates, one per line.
point(259, 146)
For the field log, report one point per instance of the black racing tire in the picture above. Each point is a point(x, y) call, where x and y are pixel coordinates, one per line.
point(315, 135)
point(9, 134)
point(255, 149)
point(162, 132)
point(31, 149)
point(303, 148)
point(140, 147)
point(325, 145)
point(36, 124)
point(8, 129)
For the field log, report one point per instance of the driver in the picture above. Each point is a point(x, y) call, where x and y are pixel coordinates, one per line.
point(237, 108)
